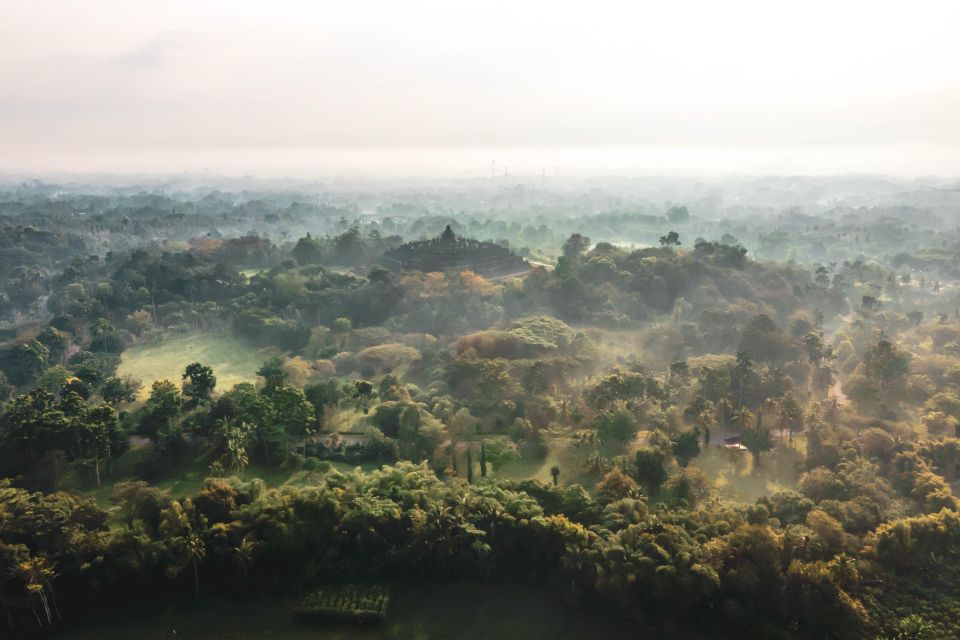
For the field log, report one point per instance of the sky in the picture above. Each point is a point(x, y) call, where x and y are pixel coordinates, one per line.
point(279, 87)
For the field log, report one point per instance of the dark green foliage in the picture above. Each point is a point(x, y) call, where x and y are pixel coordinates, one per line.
point(263, 327)
point(672, 239)
point(274, 377)
point(685, 446)
point(886, 363)
point(648, 467)
point(116, 390)
point(200, 382)
point(616, 427)
point(23, 363)
point(763, 341)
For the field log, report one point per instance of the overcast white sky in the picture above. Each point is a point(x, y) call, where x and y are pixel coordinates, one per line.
point(279, 85)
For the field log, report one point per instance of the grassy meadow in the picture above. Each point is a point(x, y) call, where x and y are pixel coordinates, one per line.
point(232, 359)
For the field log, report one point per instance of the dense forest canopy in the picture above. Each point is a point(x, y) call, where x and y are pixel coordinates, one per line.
point(731, 407)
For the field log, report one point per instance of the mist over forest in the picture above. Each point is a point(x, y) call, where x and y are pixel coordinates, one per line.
point(667, 407)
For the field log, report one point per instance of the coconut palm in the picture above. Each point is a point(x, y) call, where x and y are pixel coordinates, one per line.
point(198, 551)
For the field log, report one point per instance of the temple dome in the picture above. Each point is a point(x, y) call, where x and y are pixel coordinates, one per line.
point(449, 251)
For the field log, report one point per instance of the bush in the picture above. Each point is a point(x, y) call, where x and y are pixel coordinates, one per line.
point(262, 327)
point(500, 450)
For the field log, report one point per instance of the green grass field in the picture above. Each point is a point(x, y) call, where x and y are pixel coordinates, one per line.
point(233, 360)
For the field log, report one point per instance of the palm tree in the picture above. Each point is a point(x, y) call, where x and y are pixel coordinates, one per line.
point(235, 445)
point(705, 420)
point(198, 551)
point(555, 474)
point(243, 556)
point(741, 418)
point(38, 574)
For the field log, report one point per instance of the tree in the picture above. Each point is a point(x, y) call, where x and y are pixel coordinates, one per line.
point(163, 408)
point(886, 363)
point(672, 239)
point(690, 486)
point(648, 465)
point(137, 500)
point(704, 416)
point(160, 421)
point(341, 328)
point(22, 363)
point(243, 556)
point(236, 437)
point(308, 250)
point(104, 337)
point(273, 374)
point(483, 459)
point(183, 539)
point(55, 341)
point(363, 391)
point(536, 378)
point(101, 438)
point(323, 395)
point(555, 474)
point(200, 382)
point(912, 627)
point(37, 574)
point(53, 379)
point(616, 485)
point(119, 390)
point(791, 414)
point(756, 439)
point(817, 351)
point(685, 446)
point(491, 384)
point(741, 419)
point(741, 375)
point(764, 341)
point(293, 414)
point(938, 423)
point(575, 246)
point(616, 427)
point(197, 550)
point(469, 466)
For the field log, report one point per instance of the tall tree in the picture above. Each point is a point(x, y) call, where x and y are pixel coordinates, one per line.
point(672, 239)
point(274, 377)
point(756, 439)
point(483, 459)
point(199, 382)
point(685, 446)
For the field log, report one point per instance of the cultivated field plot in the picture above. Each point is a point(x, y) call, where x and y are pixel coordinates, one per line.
point(345, 603)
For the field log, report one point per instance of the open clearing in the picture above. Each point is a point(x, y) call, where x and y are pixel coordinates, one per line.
point(233, 360)
point(464, 611)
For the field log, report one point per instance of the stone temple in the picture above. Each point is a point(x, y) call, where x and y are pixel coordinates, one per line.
point(448, 251)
